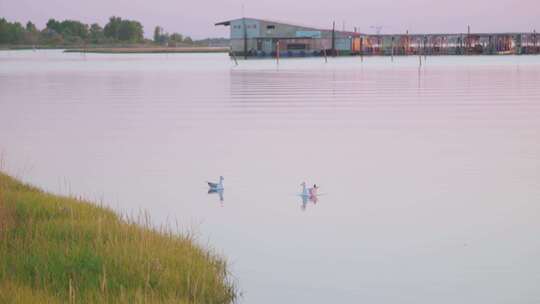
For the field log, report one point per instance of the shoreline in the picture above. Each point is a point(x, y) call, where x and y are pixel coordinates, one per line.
point(55, 249)
point(149, 50)
point(118, 49)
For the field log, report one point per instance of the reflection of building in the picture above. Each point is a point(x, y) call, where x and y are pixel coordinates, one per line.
point(257, 37)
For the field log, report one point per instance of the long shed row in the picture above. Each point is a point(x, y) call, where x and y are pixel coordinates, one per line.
point(252, 37)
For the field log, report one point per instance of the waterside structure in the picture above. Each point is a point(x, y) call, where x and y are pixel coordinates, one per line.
point(251, 37)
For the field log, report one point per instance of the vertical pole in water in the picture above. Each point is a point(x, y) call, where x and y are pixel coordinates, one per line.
point(245, 37)
point(325, 56)
point(362, 49)
point(234, 57)
point(425, 46)
point(534, 41)
point(407, 46)
point(277, 52)
point(419, 53)
point(392, 51)
point(334, 39)
point(468, 43)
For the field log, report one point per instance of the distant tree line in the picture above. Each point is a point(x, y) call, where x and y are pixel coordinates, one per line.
point(72, 32)
point(160, 37)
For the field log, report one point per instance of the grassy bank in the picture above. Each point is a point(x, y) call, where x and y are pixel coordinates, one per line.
point(119, 48)
point(70, 46)
point(149, 50)
point(56, 249)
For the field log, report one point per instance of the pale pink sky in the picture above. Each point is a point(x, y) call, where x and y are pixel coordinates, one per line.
point(196, 18)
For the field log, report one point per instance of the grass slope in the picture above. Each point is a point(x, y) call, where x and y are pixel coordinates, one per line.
point(56, 249)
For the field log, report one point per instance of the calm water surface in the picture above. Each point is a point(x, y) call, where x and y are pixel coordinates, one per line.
point(431, 177)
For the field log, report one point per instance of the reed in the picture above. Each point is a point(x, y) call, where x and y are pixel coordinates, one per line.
point(56, 249)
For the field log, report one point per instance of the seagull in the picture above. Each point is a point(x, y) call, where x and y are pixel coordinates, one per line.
point(309, 192)
point(313, 191)
point(216, 186)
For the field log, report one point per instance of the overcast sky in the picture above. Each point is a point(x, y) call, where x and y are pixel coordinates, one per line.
point(197, 17)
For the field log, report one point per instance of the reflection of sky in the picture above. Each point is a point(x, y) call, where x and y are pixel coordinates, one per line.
point(430, 178)
point(196, 18)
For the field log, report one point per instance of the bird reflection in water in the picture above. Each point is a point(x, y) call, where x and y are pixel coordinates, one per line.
point(218, 192)
point(217, 188)
point(309, 195)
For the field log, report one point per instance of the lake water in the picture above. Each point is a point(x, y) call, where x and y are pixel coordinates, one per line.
point(429, 178)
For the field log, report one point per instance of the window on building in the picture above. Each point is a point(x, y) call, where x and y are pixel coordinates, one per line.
point(296, 46)
point(270, 27)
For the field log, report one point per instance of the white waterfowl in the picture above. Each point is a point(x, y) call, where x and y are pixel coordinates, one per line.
point(309, 192)
point(313, 190)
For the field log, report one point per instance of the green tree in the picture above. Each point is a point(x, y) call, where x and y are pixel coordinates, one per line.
point(112, 28)
point(4, 31)
point(54, 25)
point(176, 37)
point(131, 31)
point(158, 32)
point(188, 40)
point(72, 28)
point(30, 27)
point(50, 37)
point(31, 34)
point(96, 33)
point(13, 33)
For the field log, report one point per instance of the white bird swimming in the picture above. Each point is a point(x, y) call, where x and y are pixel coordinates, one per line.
point(216, 186)
point(309, 192)
point(313, 191)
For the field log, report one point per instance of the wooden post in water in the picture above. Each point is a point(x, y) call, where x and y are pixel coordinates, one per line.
point(534, 42)
point(234, 57)
point(334, 39)
point(419, 55)
point(245, 37)
point(277, 52)
point(468, 43)
point(392, 47)
point(408, 44)
point(362, 49)
point(425, 47)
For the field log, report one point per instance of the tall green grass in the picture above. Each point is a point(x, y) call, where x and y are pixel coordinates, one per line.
point(56, 249)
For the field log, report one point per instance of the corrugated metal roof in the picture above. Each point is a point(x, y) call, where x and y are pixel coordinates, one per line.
point(228, 22)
